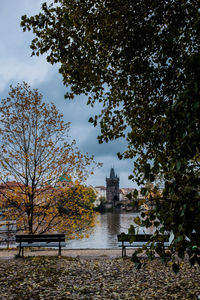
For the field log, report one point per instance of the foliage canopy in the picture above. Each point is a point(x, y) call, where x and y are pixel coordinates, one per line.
point(141, 60)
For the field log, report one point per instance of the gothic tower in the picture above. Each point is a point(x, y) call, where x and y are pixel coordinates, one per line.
point(112, 188)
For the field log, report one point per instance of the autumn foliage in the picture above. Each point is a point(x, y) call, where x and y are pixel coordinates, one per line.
point(36, 151)
point(66, 209)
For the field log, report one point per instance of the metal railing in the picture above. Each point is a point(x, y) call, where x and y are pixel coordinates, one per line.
point(7, 233)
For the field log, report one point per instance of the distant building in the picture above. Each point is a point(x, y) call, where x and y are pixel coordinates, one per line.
point(64, 180)
point(101, 191)
point(8, 188)
point(101, 194)
point(112, 189)
point(123, 192)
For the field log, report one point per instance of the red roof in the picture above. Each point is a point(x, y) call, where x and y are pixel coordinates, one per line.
point(11, 184)
point(101, 187)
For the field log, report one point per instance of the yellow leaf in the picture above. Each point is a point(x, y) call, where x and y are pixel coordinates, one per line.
point(137, 220)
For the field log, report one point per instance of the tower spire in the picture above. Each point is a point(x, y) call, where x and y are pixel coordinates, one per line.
point(112, 173)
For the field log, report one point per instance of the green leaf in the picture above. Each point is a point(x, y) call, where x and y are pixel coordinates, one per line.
point(90, 120)
point(135, 193)
point(138, 265)
point(178, 165)
point(175, 268)
point(192, 260)
point(136, 261)
point(179, 239)
point(129, 196)
point(156, 223)
point(132, 238)
point(131, 230)
point(123, 236)
point(144, 191)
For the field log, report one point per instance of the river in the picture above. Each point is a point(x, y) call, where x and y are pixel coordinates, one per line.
point(104, 233)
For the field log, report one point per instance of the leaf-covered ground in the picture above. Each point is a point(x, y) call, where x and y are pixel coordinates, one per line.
point(69, 278)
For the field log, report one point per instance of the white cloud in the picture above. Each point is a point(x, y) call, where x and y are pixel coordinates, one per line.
point(16, 70)
point(15, 61)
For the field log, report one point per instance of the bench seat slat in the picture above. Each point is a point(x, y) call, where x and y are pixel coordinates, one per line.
point(134, 245)
point(40, 240)
point(36, 244)
point(55, 237)
point(138, 238)
point(139, 241)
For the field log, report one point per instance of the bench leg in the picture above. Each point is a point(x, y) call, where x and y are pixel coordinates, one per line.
point(123, 251)
point(59, 250)
point(21, 250)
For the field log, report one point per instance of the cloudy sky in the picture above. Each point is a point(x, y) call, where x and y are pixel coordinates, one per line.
point(17, 65)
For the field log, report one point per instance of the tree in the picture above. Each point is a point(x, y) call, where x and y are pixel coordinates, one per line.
point(141, 60)
point(75, 208)
point(101, 207)
point(35, 151)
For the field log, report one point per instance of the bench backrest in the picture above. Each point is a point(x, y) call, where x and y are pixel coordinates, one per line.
point(30, 238)
point(137, 238)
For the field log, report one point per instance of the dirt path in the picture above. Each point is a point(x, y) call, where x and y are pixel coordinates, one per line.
point(85, 253)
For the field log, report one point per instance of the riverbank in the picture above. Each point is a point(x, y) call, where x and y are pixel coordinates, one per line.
point(50, 278)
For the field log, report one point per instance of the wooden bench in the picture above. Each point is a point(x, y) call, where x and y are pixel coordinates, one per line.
point(124, 241)
point(40, 240)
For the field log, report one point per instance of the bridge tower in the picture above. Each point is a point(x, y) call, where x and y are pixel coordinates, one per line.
point(112, 188)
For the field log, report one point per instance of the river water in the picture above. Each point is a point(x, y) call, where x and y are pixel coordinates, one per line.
point(104, 233)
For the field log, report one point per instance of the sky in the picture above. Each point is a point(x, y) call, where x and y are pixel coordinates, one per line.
point(17, 65)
